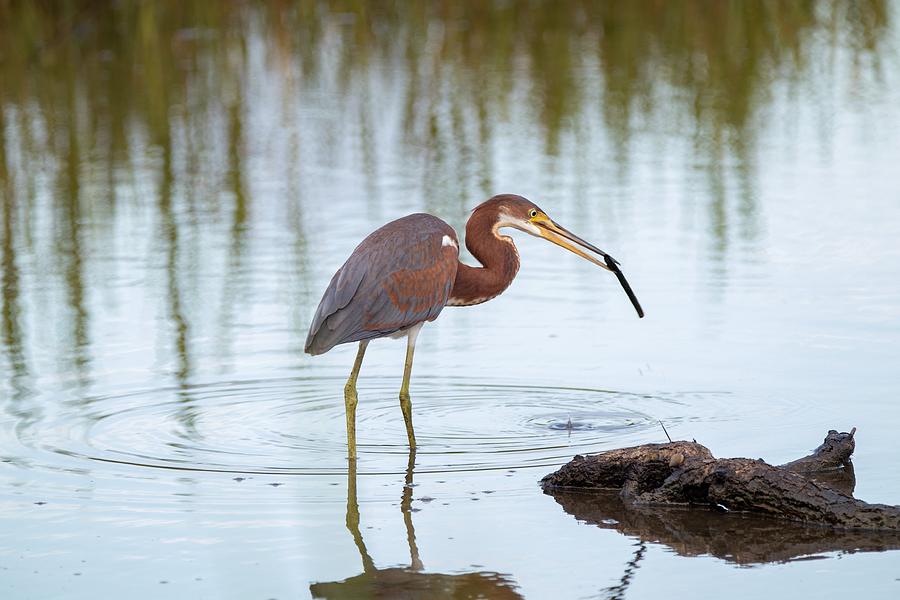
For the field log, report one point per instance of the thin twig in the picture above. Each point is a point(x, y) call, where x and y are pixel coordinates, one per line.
point(666, 432)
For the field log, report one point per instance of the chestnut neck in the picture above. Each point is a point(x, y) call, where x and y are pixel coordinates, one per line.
point(496, 253)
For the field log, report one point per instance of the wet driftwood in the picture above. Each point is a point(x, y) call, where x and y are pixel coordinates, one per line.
point(814, 489)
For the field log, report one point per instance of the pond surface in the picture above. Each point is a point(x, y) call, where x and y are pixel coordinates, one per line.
point(179, 181)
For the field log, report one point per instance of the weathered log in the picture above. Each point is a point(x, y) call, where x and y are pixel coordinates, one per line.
point(833, 454)
point(686, 473)
point(830, 463)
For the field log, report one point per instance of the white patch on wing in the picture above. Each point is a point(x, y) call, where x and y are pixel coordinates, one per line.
point(449, 241)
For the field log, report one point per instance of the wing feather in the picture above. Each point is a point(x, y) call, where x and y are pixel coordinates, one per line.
point(400, 275)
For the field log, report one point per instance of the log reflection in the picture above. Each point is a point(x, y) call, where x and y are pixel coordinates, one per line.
point(735, 538)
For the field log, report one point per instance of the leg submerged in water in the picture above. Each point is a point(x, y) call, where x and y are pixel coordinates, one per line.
point(351, 400)
point(405, 402)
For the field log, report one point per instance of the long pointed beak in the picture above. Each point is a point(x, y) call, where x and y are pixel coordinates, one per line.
point(559, 235)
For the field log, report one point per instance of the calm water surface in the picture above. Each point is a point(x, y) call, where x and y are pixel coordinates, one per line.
point(179, 181)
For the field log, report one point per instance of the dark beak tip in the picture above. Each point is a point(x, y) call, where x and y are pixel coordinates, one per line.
point(613, 266)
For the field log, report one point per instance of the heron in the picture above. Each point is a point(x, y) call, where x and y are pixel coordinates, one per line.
point(404, 273)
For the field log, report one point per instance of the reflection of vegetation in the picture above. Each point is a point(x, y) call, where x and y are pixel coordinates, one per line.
point(406, 582)
point(93, 93)
point(69, 211)
point(12, 339)
point(464, 59)
point(10, 326)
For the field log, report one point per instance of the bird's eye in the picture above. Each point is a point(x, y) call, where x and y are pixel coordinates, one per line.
point(532, 213)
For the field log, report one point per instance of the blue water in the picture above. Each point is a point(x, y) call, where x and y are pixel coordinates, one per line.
point(161, 430)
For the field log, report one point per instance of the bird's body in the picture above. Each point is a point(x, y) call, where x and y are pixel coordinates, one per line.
point(404, 274)
point(399, 276)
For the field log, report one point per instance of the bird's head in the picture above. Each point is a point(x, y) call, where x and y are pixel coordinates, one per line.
point(523, 214)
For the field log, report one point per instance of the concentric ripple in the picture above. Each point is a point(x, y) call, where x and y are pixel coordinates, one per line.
point(296, 426)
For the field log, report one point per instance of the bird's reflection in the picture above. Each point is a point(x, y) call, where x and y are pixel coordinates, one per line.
point(407, 582)
point(735, 538)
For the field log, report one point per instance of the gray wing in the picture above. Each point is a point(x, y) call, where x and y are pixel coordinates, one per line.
point(400, 275)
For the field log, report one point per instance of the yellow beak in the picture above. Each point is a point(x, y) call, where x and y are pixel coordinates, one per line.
point(559, 235)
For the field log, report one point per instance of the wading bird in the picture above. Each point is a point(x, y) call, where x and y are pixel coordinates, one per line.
point(404, 274)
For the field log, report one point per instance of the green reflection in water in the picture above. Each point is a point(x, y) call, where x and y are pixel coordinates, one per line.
point(95, 93)
point(16, 383)
point(187, 413)
point(69, 211)
point(709, 66)
point(10, 325)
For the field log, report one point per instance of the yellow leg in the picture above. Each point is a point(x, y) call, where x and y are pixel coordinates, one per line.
point(353, 518)
point(351, 400)
point(405, 402)
point(415, 563)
